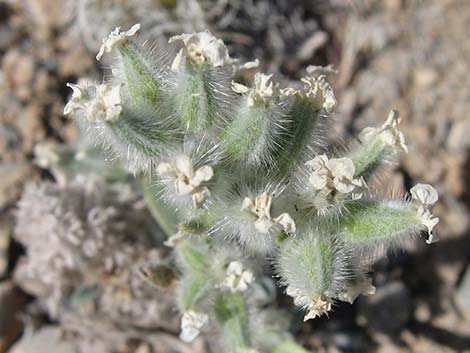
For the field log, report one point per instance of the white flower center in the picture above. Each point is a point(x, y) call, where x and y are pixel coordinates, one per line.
point(237, 279)
point(261, 208)
point(335, 174)
point(187, 181)
point(200, 47)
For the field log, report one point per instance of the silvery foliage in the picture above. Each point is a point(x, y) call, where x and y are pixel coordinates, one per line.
point(241, 174)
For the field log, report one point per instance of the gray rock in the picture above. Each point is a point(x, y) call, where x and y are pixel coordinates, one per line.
point(12, 301)
point(46, 340)
point(463, 292)
point(388, 310)
point(5, 235)
point(12, 175)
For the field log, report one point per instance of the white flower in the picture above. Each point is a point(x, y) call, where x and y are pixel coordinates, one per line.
point(316, 306)
point(187, 181)
point(263, 91)
point(237, 279)
point(200, 47)
point(388, 133)
point(363, 286)
point(335, 174)
point(175, 239)
point(239, 67)
point(316, 88)
point(191, 324)
point(46, 154)
point(261, 207)
point(116, 37)
point(426, 196)
point(104, 105)
point(314, 70)
point(76, 101)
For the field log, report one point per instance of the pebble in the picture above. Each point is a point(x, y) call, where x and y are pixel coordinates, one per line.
point(47, 340)
point(5, 236)
point(13, 175)
point(463, 291)
point(12, 301)
point(389, 310)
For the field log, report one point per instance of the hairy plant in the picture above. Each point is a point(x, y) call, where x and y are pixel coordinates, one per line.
point(241, 177)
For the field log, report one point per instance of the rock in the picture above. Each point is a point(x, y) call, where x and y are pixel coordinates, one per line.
point(458, 140)
point(463, 291)
point(5, 235)
point(48, 339)
point(388, 310)
point(425, 77)
point(350, 341)
point(13, 175)
point(12, 301)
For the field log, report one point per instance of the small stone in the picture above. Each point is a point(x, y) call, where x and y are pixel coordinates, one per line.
point(423, 312)
point(46, 340)
point(425, 77)
point(388, 311)
point(355, 341)
point(463, 291)
point(5, 236)
point(458, 140)
point(13, 175)
point(12, 301)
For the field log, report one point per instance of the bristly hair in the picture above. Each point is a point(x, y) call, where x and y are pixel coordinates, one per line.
point(315, 264)
point(236, 225)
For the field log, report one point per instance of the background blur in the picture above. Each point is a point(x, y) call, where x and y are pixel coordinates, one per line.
point(412, 55)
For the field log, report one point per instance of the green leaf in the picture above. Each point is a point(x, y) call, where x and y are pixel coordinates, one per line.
point(232, 312)
point(374, 222)
point(141, 80)
point(194, 259)
point(313, 263)
point(300, 135)
point(193, 289)
point(251, 138)
point(196, 98)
